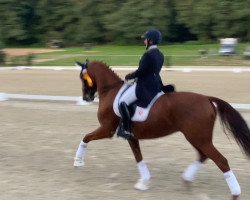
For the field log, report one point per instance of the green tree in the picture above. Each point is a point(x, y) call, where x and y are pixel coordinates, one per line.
point(198, 17)
point(215, 19)
point(232, 16)
point(134, 17)
point(12, 30)
point(57, 20)
point(76, 22)
point(88, 27)
point(18, 21)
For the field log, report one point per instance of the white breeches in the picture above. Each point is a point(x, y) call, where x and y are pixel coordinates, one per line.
point(129, 95)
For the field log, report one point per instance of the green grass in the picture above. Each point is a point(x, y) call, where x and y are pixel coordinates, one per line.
point(177, 55)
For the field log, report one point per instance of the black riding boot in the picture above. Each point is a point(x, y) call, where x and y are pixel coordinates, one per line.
point(125, 125)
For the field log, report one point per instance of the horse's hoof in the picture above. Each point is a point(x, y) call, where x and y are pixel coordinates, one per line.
point(187, 184)
point(78, 162)
point(235, 197)
point(142, 184)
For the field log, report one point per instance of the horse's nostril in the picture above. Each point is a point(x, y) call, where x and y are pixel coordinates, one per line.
point(87, 98)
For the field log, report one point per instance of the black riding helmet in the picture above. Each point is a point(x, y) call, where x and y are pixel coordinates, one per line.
point(153, 35)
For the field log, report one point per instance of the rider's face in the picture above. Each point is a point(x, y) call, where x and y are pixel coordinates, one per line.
point(146, 42)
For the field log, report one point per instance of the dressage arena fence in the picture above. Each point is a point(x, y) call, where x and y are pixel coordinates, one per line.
point(79, 101)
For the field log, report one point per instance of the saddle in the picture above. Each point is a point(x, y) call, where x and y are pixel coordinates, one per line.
point(137, 113)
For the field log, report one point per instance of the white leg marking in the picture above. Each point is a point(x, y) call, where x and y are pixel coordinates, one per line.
point(232, 183)
point(79, 158)
point(191, 171)
point(143, 182)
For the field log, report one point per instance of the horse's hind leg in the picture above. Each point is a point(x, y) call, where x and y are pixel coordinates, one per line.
point(191, 171)
point(143, 182)
point(206, 150)
point(211, 152)
point(99, 133)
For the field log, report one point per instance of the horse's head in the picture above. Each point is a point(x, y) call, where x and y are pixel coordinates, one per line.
point(96, 76)
point(88, 86)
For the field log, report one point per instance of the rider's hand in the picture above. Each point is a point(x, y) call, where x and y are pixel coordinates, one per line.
point(129, 76)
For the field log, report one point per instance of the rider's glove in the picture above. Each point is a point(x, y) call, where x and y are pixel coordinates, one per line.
point(129, 76)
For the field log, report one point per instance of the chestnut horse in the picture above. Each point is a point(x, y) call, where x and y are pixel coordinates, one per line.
point(190, 113)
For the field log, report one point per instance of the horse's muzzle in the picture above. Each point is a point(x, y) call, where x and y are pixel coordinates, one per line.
point(88, 98)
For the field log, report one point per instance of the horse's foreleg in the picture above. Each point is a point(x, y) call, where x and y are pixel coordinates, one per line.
point(143, 182)
point(99, 133)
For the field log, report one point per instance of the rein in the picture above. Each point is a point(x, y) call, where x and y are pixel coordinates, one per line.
point(106, 88)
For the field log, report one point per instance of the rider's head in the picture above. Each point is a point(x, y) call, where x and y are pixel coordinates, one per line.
point(152, 37)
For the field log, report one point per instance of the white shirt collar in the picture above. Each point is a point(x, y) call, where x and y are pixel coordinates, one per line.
point(152, 47)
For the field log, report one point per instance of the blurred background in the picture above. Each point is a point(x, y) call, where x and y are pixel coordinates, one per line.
point(39, 136)
point(88, 23)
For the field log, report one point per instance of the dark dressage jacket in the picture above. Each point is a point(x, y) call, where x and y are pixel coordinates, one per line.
point(148, 76)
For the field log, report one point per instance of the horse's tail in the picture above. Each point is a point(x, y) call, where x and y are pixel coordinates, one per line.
point(232, 120)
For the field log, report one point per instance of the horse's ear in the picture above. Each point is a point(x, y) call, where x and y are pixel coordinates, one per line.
point(79, 64)
point(82, 65)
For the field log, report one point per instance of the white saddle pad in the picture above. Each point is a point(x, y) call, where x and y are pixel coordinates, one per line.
point(141, 114)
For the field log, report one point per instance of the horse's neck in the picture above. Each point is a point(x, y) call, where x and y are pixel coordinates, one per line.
point(107, 81)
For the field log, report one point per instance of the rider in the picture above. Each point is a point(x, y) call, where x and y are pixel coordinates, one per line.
point(148, 82)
